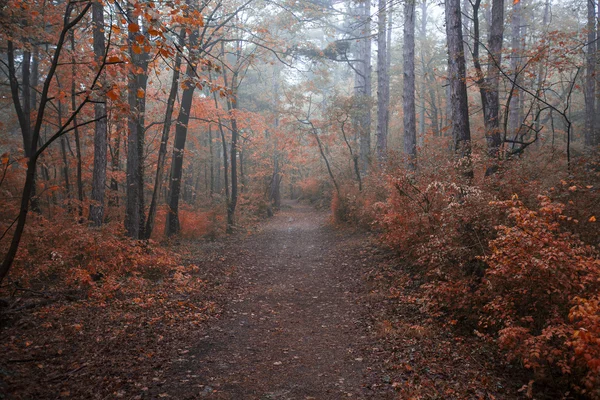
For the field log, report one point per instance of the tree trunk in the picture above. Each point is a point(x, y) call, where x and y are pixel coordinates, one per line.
point(408, 92)
point(29, 185)
point(597, 121)
point(76, 129)
point(488, 85)
point(224, 147)
point(100, 127)
point(590, 78)
point(138, 78)
point(459, 105)
point(172, 225)
point(211, 161)
point(162, 151)
point(382, 81)
point(232, 105)
point(22, 109)
point(514, 110)
point(363, 89)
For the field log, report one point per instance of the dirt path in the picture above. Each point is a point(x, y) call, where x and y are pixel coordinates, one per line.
point(310, 314)
point(293, 328)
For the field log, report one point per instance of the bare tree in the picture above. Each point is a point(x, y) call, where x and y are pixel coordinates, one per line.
point(590, 78)
point(100, 128)
point(136, 89)
point(489, 83)
point(459, 104)
point(408, 95)
point(383, 80)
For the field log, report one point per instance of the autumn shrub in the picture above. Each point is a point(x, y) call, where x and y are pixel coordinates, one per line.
point(585, 343)
point(196, 224)
point(522, 273)
point(349, 205)
point(64, 255)
point(536, 274)
point(315, 191)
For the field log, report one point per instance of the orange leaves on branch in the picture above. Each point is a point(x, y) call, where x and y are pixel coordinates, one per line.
point(154, 32)
point(113, 94)
point(133, 27)
point(136, 48)
point(141, 93)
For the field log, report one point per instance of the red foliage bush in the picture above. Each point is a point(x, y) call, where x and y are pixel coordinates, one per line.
point(522, 273)
point(536, 272)
point(63, 254)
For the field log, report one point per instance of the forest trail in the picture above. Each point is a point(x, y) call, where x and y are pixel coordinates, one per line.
point(292, 329)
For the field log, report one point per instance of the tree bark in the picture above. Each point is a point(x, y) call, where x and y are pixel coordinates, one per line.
point(162, 151)
point(79, 168)
point(382, 81)
point(488, 85)
point(363, 85)
point(136, 87)
point(173, 226)
point(408, 92)
point(100, 127)
point(590, 78)
point(459, 104)
point(514, 110)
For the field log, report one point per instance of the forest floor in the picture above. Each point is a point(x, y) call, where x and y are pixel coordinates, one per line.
point(300, 310)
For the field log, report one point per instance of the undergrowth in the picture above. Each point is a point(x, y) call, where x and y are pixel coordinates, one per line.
point(512, 257)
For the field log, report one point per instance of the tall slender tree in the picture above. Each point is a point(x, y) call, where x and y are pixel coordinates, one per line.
point(382, 80)
point(136, 96)
point(514, 122)
point(590, 76)
point(100, 127)
point(489, 82)
point(459, 104)
point(172, 225)
point(408, 93)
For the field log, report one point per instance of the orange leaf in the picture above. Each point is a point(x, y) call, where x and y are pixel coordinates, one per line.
point(136, 49)
point(113, 59)
point(592, 218)
point(153, 32)
point(133, 27)
point(112, 94)
point(141, 93)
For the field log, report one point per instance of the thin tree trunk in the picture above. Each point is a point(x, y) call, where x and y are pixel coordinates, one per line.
point(232, 105)
point(22, 109)
point(590, 78)
point(162, 151)
point(382, 81)
point(63, 152)
point(408, 95)
point(76, 129)
point(212, 161)
point(363, 88)
point(488, 85)
point(100, 127)
point(224, 146)
point(134, 209)
point(515, 64)
point(172, 225)
point(597, 122)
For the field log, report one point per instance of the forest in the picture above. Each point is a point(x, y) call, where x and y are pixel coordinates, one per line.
point(300, 199)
